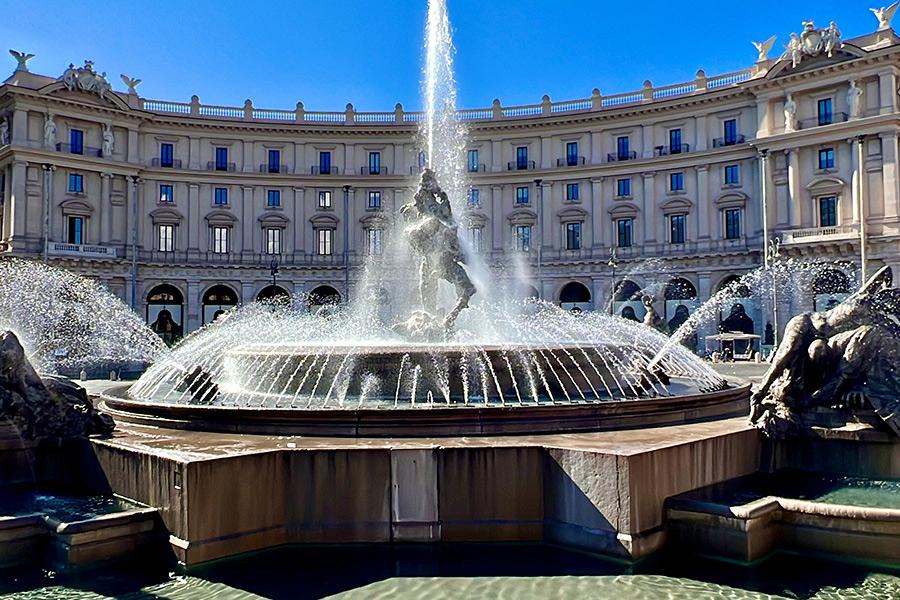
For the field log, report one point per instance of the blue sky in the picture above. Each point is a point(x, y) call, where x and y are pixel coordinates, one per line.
point(369, 52)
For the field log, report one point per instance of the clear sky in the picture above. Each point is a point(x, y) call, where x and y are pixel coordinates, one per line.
point(369, 52)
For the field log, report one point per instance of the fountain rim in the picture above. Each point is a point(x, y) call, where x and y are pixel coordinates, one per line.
point(435, 421)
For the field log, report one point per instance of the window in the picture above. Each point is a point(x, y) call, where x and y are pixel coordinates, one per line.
point(473, 161)
point(423, 159)
point(76, 183)
point(221, 159)
point(623, 187)
point(824, 111)
point(166, 238)
point(572, 154)
point(220, 197)
point(730, 132)
point(274, 164)
point(324, 241)
point(826, 158)
point(828, 211)
point(523, 238)
point(273, 240)
point(166, 155)
point(733, 223)
point(220, 240)
point(732, 174)
point(76, 141)
point(76, 230)
point(674, 141)
point(623, 147)
point(373, 241)
point(521, 195)
point(522, 157)
point(474, 197)
point(676, 229)
point(273, 198)
point(374, 199)
point(624, 229)
point(573, 236)
point(374, 163)
point(166, 193)
point(676, 182)
point(572, 191)
point(476, 234)
point(325, 199)
point(324, 163)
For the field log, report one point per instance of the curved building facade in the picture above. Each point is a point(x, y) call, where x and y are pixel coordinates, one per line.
point(183, 207)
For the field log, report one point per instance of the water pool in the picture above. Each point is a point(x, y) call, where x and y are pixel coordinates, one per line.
point(61, 507)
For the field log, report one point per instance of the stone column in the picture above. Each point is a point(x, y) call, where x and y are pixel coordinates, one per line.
point(703, 204)
point(194, 221)
point(861, 202)
point(546, 152)
point(763, 117)
point(194, 154)
point(47, 189)
point(249, 158)
point(647, 141)
point(298, 244)
point(300, 166)
point(701, 136)
point(796, 210)
point(19, 133)
point(704, 292)
point(247, 292)
point(887, 88)
point(497, 155)
point(497, 224)
point(134, 152)
point(891, 178)
point(105, 208)
point(598, 213)
point(548, 227)
point(649, 208)
point(246, 224)
point(193, 306)
point(596, 147)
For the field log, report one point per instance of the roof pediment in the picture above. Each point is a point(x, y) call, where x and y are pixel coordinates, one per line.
point(58, 89)
point(784, 65)
point(76, 207)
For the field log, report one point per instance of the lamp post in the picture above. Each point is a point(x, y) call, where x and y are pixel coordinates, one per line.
point(273, 269)
point(540, 224)
point(772, 254)
point(347, 243)
point(612, 263)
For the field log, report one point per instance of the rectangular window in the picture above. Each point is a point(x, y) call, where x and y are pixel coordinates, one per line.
point(273, 240)
point(676, 229)
point(220, 240)
point(733, 223)
point(623, 187)
point(166, 155)
point(623, 147)
point(572, 154)
point(325, 199)
point(624, 229)
point(374, 199)
point(221, 159)
point(374, 163)
point(521, 195)
point(476, 234)
point(325, 163)
point(676, 182)
point(220, 197)
point(273, 198)
point(166, 193)
point(826, 117)
point(166, 238)
point(730, 132)
point(674, 141)
point(76, 183)
point(828, 212)
point(572, 191)
point(76, 230)
point(826, 158)
point(76, 141)
point(373, 241)
point(573, 236)
point(732, 175)
point(274, 165)
point(474, 197)
point(324, 239)
point(523, 238)
point(473, 161)
point(522, 157)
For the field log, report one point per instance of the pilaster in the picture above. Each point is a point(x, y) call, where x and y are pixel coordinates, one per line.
point(796, 210)
point(105, 208)
point(297, 245)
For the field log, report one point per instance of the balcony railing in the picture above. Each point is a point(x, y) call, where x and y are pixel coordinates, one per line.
point(521, 165)
point(728, 141)
point(175, 163)
point(373, 171)
point(479, 168)
point(81, 250)
point(273, 169)
point(620, 156)
point(570, 161)
point(82, 150)
point(318, 170)
point(673, 149)
point(217, 166)
point(259, 259)
point(824, 119)
point(813, 235)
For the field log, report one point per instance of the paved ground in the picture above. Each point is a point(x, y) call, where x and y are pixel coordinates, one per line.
point(747, 371)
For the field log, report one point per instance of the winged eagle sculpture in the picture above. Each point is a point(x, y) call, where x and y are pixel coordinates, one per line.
point(884, 15)
point(131, 83)
point(763, 48)
point(22, 59)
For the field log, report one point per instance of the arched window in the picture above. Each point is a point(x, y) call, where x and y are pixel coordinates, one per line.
point(736, 288)
point(217, 301)
point(324, 295)
point(830, 288)
point(574, 292)
point(627, 290)
point(273, 294)
point(165, 307)
point(680, 289)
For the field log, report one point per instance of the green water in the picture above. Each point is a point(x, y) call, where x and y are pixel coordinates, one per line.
point(463, 571)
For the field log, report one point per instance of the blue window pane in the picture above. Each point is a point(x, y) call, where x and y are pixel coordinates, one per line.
point(522, 195)
point(623, 187)
point(273, 198)
point(166, 155)
point(221, 196)
point(274, 161)
point(572, 154)
point(828, 212)
point(76, 141)
point(623, 148)
point(730, 131)
point(572, 191)
point(325, 163)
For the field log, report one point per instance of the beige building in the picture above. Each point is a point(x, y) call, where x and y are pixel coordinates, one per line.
point(183, 206)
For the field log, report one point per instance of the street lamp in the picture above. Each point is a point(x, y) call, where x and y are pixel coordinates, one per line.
point(772, 254)
point(347, 242)
point(540, 223)
point(612, 263)
point(273, 269)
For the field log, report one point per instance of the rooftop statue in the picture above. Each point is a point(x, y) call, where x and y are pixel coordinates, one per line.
point(131, 83)
point(845, 358)
point(762, 48)
point(812, 42)
point(884, 15)
point(86, 79)
point(22, 59)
